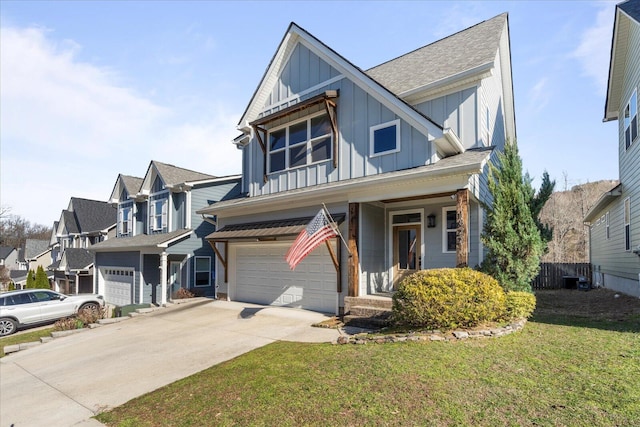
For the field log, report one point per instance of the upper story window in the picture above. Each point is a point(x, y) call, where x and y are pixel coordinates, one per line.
point(385, 138)
point(627, 224)
point(301, 143)
point(631, 120)
point(125, 221)
point(158, 214)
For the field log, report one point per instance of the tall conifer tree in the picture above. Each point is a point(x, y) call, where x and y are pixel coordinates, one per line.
point(41, 279)
point(510, 234)
point(31, 280)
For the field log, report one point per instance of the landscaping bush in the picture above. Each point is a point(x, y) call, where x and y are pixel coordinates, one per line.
point(448, 298)
point(81, 320)
point(183, 293)
point(519, 305)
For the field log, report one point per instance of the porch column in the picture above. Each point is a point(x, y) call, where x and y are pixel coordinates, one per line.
point(462, 230)
point(77, 283)
point(163, 278)
point(354, 260)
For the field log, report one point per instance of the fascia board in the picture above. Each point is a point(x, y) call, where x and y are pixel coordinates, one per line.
point(167, 243)
point(448, 84)
point(612, 102)
point(374, 89)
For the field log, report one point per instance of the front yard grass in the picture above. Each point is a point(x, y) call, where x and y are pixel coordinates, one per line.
point(25, 337)
point(558, 371)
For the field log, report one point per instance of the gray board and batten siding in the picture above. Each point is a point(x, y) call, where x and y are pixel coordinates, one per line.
point(357, 111)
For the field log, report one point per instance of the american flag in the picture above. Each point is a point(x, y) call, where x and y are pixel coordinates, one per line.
point(316, 232)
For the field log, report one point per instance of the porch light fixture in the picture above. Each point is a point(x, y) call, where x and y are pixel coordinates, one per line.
point(431, 221)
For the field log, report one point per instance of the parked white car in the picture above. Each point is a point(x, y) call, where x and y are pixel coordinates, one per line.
point(33, 306)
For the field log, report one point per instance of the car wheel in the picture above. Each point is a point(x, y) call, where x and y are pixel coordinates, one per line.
point(7, 326)
point(90, 307)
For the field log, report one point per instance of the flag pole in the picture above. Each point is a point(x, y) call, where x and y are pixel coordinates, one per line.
point(335, 227)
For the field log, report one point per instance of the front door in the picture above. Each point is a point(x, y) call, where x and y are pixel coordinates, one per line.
point(406, 252)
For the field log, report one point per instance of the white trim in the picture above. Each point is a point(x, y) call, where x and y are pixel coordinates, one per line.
point(196, 271)
point(187, 210)
point(385, 125)
point(308, 143)
point(607, 234)
point(269, 108)
point(626, 222)
point(445, 230)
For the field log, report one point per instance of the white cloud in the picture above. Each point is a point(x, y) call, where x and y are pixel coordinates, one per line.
point(539, 96)
point(67, 128)
point(595, 47)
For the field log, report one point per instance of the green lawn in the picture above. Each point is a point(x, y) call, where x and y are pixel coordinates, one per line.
point(24, 337)
point(558, 371)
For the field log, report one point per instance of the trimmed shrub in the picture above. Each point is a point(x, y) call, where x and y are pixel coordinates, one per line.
point(519, 305)
point(448, 298)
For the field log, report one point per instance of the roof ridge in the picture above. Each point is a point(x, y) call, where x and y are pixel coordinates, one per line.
point(157, 162)
point(439, 40)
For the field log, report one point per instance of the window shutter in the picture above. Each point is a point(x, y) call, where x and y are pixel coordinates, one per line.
point(164, 214)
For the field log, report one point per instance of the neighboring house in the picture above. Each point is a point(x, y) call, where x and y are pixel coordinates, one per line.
point(8, 257)
point(160, 245)
point(398, 153)
point(36, 253)
point(8, 265)
point(614, 222)
point(83, 224)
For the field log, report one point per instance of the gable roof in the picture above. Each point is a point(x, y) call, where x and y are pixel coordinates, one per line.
point(5, 251)
point(127, 182)
point(467, 50)
point(76, 259)
point(171, 175)
point(626, 14)
point(34, 247)
point(294, 35)
point(93, 215)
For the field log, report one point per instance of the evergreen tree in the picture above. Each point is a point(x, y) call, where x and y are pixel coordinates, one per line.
point(41, 279)
point(536, 203)
point(510, 234)
point(31, 280)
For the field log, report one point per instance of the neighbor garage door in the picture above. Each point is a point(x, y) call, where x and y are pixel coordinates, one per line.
point(262, 276)
point(118, 285)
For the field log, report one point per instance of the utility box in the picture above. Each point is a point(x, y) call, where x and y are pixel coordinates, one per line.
point(583, 284)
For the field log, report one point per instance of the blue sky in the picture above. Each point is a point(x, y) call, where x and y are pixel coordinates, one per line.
point(92, 89)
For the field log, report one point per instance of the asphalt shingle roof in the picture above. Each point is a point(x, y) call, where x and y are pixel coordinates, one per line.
point(172, 175)
point(631, 8)
point(465, 50)
point(93, 215)
point(141, 240)
point(131, 183)
point(5, 251)
point(77, 258)
point(33, 247)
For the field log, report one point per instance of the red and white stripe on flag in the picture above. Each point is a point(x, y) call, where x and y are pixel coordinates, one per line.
point(316, 232)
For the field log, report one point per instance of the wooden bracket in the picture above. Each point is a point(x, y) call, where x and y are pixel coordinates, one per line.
point(222, 260)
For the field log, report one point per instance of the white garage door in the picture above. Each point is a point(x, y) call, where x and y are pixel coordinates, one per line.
point(118, 286)
point(263, 276)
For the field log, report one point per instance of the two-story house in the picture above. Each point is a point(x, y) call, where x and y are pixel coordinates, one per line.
point(84, 223)
point(160, 243)
point(35, 253)
point(398, 154)
point(614, 222)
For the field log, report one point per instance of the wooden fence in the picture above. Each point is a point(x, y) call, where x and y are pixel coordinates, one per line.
point(557, 275)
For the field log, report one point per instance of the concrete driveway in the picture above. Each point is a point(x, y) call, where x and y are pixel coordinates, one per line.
point(68, 380)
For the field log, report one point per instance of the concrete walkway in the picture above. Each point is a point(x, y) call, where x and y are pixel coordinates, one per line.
point(68, 380)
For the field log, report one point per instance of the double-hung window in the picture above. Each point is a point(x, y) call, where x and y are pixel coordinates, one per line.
point(301, 143)
point(631, 120)
point(384, 138)
point(203, 271)
point(125, 220)
point(158, 215)
point(607, 233)
point(627, 224)
point(449, 230)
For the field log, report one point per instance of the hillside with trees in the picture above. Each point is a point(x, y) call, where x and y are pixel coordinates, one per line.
point(564, 213)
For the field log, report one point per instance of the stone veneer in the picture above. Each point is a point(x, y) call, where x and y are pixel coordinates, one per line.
point(434, 335)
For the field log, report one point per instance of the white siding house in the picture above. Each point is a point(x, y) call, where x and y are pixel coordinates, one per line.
point(614, 223)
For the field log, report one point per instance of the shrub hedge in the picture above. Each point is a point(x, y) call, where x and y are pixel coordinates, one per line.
point(448, 298)
point(519, 305)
